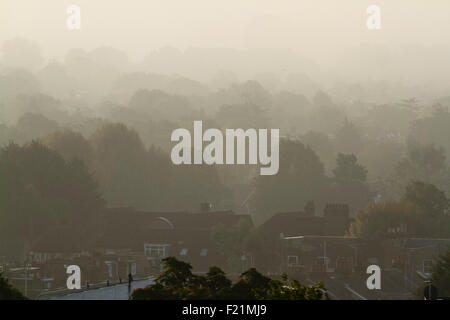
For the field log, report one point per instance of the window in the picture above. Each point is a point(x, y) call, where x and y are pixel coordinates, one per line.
point(292, 260)
point(183, 252)
point(112, 268)
point(131, 268)
point(427, 266)
point(203, 252)
point(155, 250)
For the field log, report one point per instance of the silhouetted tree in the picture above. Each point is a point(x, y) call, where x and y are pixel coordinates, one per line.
point(8, 292)
point(441, 274)
point(70, 145)
point(348, 169)
point(301, 177)
point(424, 163)
point(177, 282)
point(233, 240)
point(348, 138)
point(428, 197)
point(423, 210)
point(40, 192)
point(121, 166)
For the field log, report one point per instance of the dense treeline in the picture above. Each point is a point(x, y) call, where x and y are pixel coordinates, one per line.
point(41, 192)
point(117, 121)
point(177, 282)
point(8, 292)
point(423, 211)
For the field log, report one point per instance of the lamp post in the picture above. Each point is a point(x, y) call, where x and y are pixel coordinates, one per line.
point(355, 262)
point(26, 278)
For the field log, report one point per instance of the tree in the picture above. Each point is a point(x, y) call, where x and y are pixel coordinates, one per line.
point(348, 169)
point(217, 284)
point(208, 187)
point(422, 210)
point(388, 121)
point(177, 282)
point(253, 93)
point(433, 129)
point(325, 118)
point(301, 178)
point(40, 192)
point(32, 126)
point(129, 174)
point(55, 80)
point(381, 156)
point(121, 166)
point(70, 145)
point(242, 116)
point(428, 197)
point(43, 105)
point(14, 83)
point(322, 145)
point(8, 292)
point(422, 160)
point(348, 138)
point(177, 274)
point(349, 183)
point(322, 99)
point(424, 163)
point(441, 274)
point(160, 105)
point(233, 241)
point(251, 285)
point(377, 219)
point(287, 289)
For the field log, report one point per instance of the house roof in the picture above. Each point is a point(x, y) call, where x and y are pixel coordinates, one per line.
point(62, 239)
point(292, 224)
point(129, 228)
point(334, 222)
point(129, 218)
point(417, 243)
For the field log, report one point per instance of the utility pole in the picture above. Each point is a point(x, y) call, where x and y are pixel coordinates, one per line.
point(26, 279)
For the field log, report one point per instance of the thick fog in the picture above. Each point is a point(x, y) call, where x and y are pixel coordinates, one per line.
point(327, 40)
point(98, 125)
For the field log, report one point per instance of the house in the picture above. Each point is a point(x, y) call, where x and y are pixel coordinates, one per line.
point(417, 255)
point(405, 262)
point(319, 254)
point(126, 241)
point(145, 238)
point(334, 222)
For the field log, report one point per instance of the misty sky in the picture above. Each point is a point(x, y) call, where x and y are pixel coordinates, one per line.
point(315, 28)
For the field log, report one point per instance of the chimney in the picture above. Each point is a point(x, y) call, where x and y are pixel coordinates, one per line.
point(205, 207)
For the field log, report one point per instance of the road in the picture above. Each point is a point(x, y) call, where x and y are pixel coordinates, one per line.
point(113, 292)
